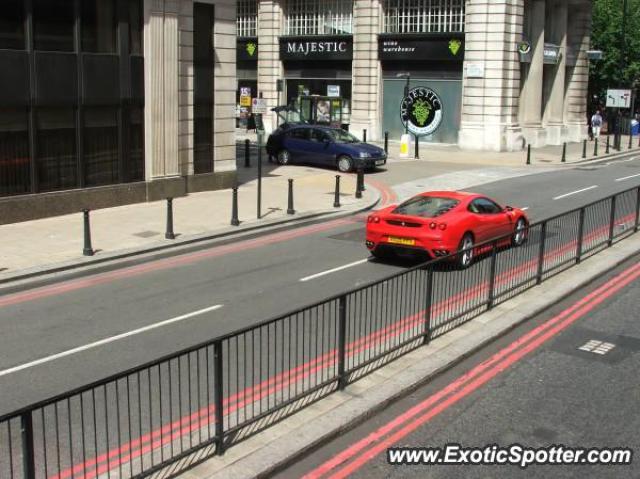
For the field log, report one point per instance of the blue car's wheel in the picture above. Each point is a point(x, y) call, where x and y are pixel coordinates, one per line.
point(345, 164)
point(284, 157)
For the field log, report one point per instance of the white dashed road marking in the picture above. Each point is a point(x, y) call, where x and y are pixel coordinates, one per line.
point(627, 177)
point(575, 192)
point(329, 271)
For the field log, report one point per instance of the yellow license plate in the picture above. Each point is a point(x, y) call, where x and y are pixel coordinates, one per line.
point(402, 241)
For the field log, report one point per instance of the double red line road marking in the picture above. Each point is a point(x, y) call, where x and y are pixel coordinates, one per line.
point(359, 453)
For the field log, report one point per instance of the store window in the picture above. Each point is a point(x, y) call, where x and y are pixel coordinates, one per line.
point(134, 167)
point(53, 25)
point(318, 17)
point(423, 16)
point(135, 27)
point(203, 63)
point(247, 18)
point(100, 146)
point(56, 149)
point(12, 25)
point(15, 158)
point(98, 26)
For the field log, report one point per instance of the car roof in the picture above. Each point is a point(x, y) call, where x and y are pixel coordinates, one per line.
point(456, 195)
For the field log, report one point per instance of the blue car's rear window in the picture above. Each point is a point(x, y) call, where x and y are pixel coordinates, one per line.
point(426, 206)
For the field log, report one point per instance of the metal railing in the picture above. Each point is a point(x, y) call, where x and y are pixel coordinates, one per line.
point(180, 409)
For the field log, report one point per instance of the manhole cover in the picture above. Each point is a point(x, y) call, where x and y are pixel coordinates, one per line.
point(146, 234)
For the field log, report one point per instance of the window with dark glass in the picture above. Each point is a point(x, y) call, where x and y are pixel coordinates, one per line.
point(134, 167)
point(100, 146)
point(135, 27)
point(203, 88)
point(56, 159)
point(15, 160)
point(53, 25)
point(98, 26)
point(12, 25)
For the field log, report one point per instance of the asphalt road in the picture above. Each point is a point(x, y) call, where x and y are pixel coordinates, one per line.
point(249, 281)
point(553, 394)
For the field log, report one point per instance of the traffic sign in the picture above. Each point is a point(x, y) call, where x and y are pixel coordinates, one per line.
point(259, 106)
point(618, 98)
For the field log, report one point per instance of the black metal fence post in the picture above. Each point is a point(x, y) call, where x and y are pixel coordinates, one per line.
point(635, 228)
point(584, 149)
point(595, 147)
point(342, 341)
point(638, 139)
point(87, 250)
point(386, 142)
point(492, 274)
point(612, 220)
point(606, 150)
point(364, 135)
point(428, 306)
point(28, 461)
point(543, 238)
point(336, 197)
point(234, 207)
point(416, 155)
point(290, 210)
point(564, 153)
point(218, 395)
point(247, 155)
point(359, 182)
point(169, 234)
point(580, 234)
point(529, 154)
point(630, 140)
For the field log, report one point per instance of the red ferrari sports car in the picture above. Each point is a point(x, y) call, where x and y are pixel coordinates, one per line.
point(440, 223)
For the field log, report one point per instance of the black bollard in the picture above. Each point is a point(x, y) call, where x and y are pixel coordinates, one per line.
point(584, 148)
point(638, 139)
point(247, 156)
point(595, 147)
point(259, 199)
point(88, 249)
point(386, 142)
point(606, 151)
point(290, 210)
point(336, 199)
point(564, 153)
point(359, 182)
point(630, 140)
point(528, 154)
point(416, 154)
point(364, 135)
point(169, 233)
point(234, 208)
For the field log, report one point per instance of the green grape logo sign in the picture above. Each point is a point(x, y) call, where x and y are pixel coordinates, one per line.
point(421, 111)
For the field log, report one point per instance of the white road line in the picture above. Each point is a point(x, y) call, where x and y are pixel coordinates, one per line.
point(108, 340)
point(627, 177)
point(621, 161)
point(575, 192)
point(524, 208)
point(329, 271)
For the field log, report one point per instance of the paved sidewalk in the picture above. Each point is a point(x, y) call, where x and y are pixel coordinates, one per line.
point(51, 242)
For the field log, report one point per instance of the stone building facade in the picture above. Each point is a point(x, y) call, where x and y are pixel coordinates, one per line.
point(505, 72)
point(109, 102)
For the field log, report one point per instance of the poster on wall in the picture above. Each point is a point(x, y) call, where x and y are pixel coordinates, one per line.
point(333, 90)
point(421, 111)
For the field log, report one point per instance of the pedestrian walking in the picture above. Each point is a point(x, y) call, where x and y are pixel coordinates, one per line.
point(596, 124)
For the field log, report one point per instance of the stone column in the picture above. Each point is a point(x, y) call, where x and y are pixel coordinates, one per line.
point(578, 39)
point(162, 167)
point(490, 104)
point(366, 109)
point(554, 112)
point(269, 65)
point(531, 93)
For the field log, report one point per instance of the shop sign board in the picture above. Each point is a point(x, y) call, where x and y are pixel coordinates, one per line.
point(325, 48)
point(618, 98)
point(524, 51)
point(247, 50)
point(245, 91)
point(475, 70)
point(259, 106)
point(333, 90)
point(245, 100)
point(421, 47)
point(421, 111)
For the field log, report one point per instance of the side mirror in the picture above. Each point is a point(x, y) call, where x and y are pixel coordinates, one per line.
point(508, 208)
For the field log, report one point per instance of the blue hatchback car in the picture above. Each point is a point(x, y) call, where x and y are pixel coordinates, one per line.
point(323, 145)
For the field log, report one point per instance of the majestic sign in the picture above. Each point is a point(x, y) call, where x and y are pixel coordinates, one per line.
point(421, 111)
point(421, 47)
point(247, 50)
point(316, 48)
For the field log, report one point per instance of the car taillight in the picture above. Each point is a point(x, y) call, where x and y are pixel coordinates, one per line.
point(373, 219)
point(433, 225)
point(442, 226)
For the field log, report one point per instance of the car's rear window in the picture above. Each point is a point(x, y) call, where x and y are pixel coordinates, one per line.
point(426, 206)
